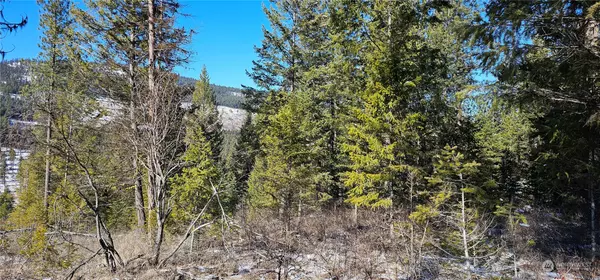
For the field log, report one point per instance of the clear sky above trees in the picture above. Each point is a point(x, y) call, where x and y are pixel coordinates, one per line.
point(226, 32)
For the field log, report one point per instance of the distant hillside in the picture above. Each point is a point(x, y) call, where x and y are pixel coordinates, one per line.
point(226, 96)
point(14, 75)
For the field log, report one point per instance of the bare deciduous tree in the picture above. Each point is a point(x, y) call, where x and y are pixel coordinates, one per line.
point(161, 142)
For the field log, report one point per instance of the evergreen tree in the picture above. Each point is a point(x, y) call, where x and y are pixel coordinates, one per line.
point(281, 61)
point(120, 22)
point(278, 74)
point(411, 105)
point(247, 148)
point(296, 58)
point(285, 177)
point(30, 212)
point(383, 126)
point(73, 145)
point(331, 80)
point(51, 73)
point(3, 167)
point(279, 56)
point(503, 135)
point(6, 204)
point(204, 106)
point(451, 201)
point(192, 189)
point(544, 56)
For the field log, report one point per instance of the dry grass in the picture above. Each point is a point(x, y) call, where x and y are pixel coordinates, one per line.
point(318, 245)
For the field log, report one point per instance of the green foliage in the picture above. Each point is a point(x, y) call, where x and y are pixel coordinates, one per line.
point(510, 212)
point(556, 163)
point(284, 176)
point(3, 167)
point(6, 204)
point(242, 161)
point(13, 78)
point(204, 106)
point(452, 200)
point(193, 187)
point(504, 140)
point(369, 102)
point(30, 209)
point(382, 127)
point(450, 166)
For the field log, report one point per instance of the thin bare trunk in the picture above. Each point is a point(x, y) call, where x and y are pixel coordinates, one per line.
point(47, 159)
point(158, 238)
point(463, 226)
point(49, 133)
point(592, 211)
point(152, 92)
point(514, 243)
point(138, 191)
point(103, 235)
point(355, 215)
point(593, 221)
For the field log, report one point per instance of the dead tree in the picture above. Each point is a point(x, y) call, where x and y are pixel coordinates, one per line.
point(161, 134)
point(161, 144)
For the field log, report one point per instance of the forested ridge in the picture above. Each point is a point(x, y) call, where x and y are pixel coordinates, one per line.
point(384, 140)
point(15, 74)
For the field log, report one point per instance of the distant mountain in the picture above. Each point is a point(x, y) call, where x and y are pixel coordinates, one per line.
point(226, 96)
point(16, 115)
point(14, 75)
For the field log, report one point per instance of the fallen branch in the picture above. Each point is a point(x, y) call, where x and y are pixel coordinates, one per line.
point(189, 231)
point(15, 230)
point(72, 273)
point(140, 256)
point(70, 233)
point(223, 217)
point(75, 243)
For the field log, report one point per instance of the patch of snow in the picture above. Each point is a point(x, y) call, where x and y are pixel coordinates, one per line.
point(9, 180)
point(231, 118)
point(20, 122)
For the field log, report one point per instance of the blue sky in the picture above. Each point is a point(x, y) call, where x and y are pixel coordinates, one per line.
point(226, 33)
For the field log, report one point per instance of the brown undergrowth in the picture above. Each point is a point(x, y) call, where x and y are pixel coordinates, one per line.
point(322, 244)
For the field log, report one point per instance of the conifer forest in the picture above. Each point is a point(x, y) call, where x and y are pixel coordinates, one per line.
point(379, 139)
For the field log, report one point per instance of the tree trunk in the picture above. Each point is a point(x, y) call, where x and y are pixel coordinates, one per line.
point(411, 256)
point(139, 194)
point(593, 220)
point(158, 238)
point(151, 91)
point(49, 134)
point(463, 226)
point(192, 242)
point(47, 159)
point(355, 215)
point(138, 191)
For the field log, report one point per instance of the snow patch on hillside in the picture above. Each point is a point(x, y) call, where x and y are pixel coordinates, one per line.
point(231, 118)
point(9, 179)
